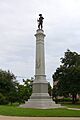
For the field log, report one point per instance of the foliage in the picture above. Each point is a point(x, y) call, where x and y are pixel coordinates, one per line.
point(25, 91)
point(3, 100)
point(67, 76)
point(11, 91)
point(64, 100)
point(7, 86)
point(49, 89)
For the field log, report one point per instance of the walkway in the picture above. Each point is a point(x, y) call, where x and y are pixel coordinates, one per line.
point(38, 118)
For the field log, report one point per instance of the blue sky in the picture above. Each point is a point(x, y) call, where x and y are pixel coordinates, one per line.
point(18, 24)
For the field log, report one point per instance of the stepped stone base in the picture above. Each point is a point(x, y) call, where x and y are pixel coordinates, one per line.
point(40, 100)
point(42, 104)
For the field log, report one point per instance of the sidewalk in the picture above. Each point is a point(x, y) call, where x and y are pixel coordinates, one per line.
point(38, 118)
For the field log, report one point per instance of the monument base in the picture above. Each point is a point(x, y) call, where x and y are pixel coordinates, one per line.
point(41, 104)
point(40, 97)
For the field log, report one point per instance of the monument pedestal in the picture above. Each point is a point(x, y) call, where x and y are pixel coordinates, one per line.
point(40, 97)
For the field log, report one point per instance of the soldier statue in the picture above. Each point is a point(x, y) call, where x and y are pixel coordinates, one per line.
point(40, 21)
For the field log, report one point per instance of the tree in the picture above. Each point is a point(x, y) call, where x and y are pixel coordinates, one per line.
point(68, 75)
point(28, 85)
point(7, 84)
point(25, 90)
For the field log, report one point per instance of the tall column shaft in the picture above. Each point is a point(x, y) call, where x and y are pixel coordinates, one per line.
point(40, 56)
point(40, 85)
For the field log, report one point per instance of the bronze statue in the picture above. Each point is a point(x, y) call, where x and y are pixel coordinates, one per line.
point(40, 21)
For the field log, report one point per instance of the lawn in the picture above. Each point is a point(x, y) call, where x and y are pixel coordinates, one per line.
point(58, 112)
point(70, 105)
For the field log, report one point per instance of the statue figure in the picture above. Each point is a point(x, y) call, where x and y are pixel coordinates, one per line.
point(40, 21)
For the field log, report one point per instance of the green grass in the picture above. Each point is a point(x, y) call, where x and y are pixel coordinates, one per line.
point(58, 112)
point(70, 105)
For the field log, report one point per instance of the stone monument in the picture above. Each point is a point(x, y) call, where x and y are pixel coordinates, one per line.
point(40, 97)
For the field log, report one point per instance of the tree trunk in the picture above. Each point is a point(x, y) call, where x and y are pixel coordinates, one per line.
point(73, 98)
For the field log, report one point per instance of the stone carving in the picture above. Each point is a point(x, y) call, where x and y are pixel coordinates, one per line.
point(38, 64)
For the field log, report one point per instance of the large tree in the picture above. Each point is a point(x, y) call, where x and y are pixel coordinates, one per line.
point(67, 75)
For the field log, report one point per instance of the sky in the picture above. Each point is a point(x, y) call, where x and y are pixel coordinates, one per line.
point(18, 24)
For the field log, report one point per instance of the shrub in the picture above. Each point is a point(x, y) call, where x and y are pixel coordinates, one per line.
point(64, 100)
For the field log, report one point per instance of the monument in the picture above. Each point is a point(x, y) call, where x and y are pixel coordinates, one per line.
point(40, 97)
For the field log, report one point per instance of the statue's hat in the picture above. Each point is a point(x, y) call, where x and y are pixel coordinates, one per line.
point(40, 14)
